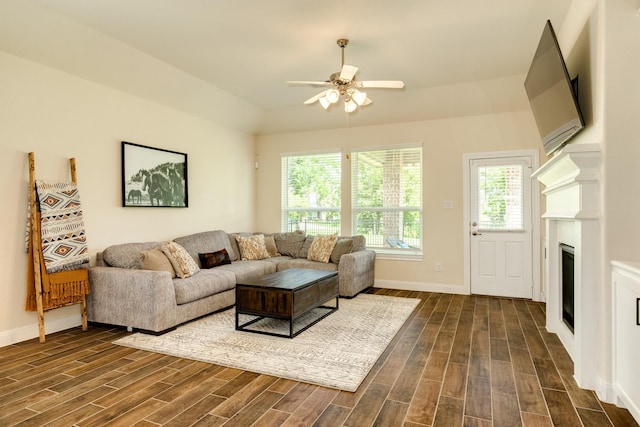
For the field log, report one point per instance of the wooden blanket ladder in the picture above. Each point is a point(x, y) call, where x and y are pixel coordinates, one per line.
point(37, 272)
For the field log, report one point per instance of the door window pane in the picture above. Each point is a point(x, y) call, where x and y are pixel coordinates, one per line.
point(500, 197)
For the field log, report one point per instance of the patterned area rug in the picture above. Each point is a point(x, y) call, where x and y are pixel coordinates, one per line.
point(337, 352)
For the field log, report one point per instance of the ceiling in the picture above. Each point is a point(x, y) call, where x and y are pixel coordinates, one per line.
point(249, 48)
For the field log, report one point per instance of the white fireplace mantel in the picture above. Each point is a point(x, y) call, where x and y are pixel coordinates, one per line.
point(571, 179)
point(572, 218)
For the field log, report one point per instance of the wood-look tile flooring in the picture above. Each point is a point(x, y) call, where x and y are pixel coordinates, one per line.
point(458, 361)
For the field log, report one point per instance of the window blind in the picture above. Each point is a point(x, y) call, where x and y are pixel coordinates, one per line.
point(311, 192)
point(387, 197)
point(501, 197)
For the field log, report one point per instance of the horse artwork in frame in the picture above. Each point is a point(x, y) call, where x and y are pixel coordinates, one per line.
point(153, 177)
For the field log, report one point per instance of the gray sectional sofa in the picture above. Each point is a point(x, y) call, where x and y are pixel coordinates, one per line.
point(124, 294)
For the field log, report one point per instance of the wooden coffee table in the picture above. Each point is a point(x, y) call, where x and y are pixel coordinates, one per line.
point(287, 295)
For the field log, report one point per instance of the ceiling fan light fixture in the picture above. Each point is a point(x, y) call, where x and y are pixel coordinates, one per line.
point(324, 102)
point(359, 97)
point(350, 106)
point(344, 84)
point(332, 96)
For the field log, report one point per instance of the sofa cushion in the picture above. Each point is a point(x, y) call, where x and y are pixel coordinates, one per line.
point(321, 247)
point(305, 263)
point(249, 270)
point(289, 243)
point(207, 241)
point(275, 260)
point(343, 246)
point(214, 259)
point(154, 259)
point(202, 285)
point(127, 255)
point(359, 243)
point(252, 248)
point(182, 262)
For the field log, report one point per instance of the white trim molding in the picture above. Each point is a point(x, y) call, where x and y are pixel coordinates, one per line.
point(421, 287)
point(25, 333)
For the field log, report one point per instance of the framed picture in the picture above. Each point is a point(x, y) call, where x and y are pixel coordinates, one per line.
point(153, 177)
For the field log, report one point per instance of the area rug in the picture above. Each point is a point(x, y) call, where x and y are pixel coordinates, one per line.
point(337, 352)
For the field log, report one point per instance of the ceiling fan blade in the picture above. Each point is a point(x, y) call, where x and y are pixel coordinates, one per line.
point(308, 83)
point(314, 98)
point(382, 84)
point(348, 71)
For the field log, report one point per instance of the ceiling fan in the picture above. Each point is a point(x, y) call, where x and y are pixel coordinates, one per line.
point(344, 84)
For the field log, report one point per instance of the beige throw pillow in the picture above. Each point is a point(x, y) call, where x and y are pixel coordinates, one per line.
point(270, 243)
point(252, 248)
point(182, 262)
point(155, 259)
point(321, 247)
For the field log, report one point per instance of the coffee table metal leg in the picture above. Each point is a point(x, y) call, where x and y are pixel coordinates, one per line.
point(291, 333)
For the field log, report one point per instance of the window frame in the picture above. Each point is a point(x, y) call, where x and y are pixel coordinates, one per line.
point(284, 179)
point(413, 253)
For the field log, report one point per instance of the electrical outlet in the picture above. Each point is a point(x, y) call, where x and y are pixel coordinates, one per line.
point(438, 266)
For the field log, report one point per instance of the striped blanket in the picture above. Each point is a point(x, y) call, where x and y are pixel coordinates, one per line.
point(64, 245)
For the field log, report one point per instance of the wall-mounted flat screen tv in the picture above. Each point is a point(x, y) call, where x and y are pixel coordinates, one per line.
point(552, 94)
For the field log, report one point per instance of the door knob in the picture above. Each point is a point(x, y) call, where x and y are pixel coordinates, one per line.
point(475, 233)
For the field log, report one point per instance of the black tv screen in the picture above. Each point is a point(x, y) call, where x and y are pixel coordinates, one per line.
point(551, 94)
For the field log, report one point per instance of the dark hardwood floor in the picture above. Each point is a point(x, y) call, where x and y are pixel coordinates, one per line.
point(458, 361)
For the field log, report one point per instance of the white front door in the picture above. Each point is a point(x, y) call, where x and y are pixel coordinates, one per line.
point(500, 226)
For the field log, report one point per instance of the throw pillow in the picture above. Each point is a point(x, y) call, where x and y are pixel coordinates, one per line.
point(321, 247)
point(270, 243)
point(289, 243)
point(304, 251)
point(252, 248)
point(182, 262)
point(214, 259)
point(154, 259)
point(343, 246)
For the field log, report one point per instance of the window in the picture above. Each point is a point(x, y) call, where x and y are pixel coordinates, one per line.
point(387, 197)
point(311, 192)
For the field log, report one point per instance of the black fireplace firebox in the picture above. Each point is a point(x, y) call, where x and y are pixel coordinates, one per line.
point(567, 284)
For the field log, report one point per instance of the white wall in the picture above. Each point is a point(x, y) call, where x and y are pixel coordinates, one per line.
point(622, 130)
point(444, 143)
point(621, 198)
point(59, 116)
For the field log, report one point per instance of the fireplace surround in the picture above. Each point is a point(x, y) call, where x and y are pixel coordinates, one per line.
point(572, 219)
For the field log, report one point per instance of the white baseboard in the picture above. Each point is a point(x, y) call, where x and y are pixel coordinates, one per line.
point(421, 286)
point(25, 333)
point(623, 400)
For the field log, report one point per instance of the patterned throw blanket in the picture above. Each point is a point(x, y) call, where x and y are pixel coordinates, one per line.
point(64, 245)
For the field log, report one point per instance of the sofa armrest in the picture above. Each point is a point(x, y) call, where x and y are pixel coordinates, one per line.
point(356, 272)
point(142, 299)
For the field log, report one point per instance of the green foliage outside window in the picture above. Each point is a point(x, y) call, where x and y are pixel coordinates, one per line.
point(313, 191)
point(494, 207)
point(387, 194)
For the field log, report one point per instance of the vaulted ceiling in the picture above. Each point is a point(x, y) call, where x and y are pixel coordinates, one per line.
point(211, 56)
